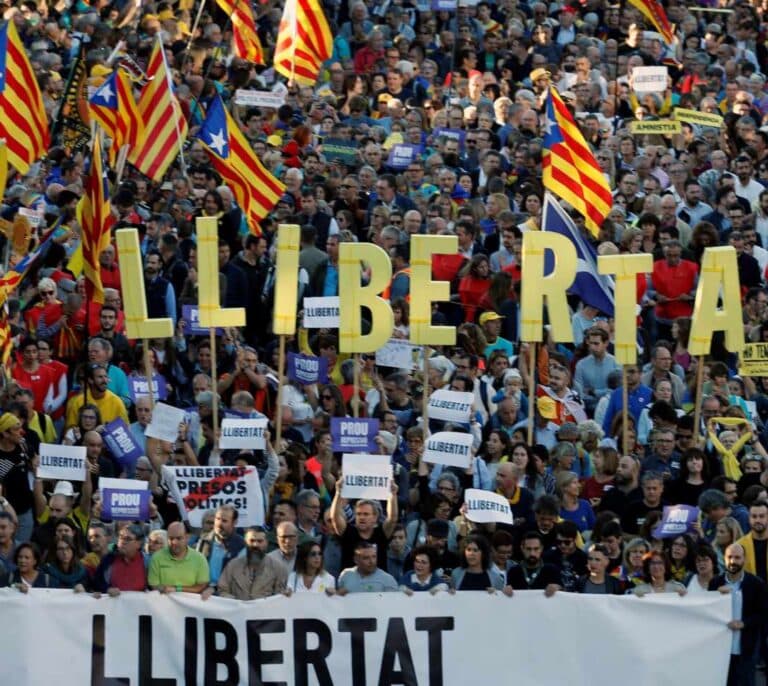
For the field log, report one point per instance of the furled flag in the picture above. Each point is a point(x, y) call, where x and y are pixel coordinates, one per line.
point(97, 220)
point(569, 168)
point(71, 129)
point(304, 41)
point(114, 107)
point(245, 39)
point(592, 288)
point(254, 188)
point(653, 11)
point(6, 342)
point(161, 118)
point(23, 122)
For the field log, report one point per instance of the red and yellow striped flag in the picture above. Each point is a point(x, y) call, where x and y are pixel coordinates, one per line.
point(245, 39)
point(6, 343)
point(96, 222)
point(23, 122)
point(654, 13)
point(569, 168)
point(304, 41)
point(162, 120)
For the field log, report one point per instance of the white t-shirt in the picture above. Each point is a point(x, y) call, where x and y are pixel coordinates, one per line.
point(320, 583)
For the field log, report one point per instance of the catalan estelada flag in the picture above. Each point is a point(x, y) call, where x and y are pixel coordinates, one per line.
point(162, 120)
point(10, 281)
point(654, 13)
point(23, 122)
point(569, 169)
point(96, 222)
point(304, 41)
point(113, 106)
point(245, 39)
point(254, 188)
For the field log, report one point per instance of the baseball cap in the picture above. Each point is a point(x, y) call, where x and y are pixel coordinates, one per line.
point(489, 317)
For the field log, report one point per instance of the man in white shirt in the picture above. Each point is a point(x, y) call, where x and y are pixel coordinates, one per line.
point(746, 187)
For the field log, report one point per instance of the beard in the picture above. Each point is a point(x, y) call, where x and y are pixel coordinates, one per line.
point(532, 561)
point(255, 556)
point(734, 567)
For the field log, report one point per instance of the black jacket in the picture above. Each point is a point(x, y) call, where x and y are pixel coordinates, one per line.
point(613, 586)
point(754, 604)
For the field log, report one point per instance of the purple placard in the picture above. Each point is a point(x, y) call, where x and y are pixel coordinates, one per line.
point(140, 388)
point(458, 134)
point(677, 520)
point(121, 443)
point(349, 435)
point(444, 5)
point(306, 369)
point(125, 504)
point(402, 154)
point(191, 316)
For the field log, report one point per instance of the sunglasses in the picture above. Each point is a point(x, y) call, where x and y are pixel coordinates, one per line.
point(47, 292)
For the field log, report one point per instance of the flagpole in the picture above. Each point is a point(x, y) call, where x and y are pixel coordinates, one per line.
point(279, 409)
point(697, 398)
point(194, 25)
point(176, 110)
point(122, 158)
point(425, 395)
point(531, 390)
point(148, 372)
point(215, 385)
point(356, 385)
point(624, 410)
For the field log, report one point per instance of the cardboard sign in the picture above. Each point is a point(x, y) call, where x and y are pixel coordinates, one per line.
point(456, 134)
point(402, 154)
point(753, 360)
point(139, 387)
point(307, 369)
point(350, 435)
point(366, 476)
point(165, 422)
point(342, 150)
point(121, 443)
point(106, 482)
point(696, 117)
point(125, 504)
point(247, 434)
point(321, 313)
point(484, 507)
point(655, 126)
point(451, 406)
point(191, 316)
point(449, 448)
point(676, 520)
point(254, 98)
point(198, 489)
point(62, 462)
point(400, 354)
point(649, 79)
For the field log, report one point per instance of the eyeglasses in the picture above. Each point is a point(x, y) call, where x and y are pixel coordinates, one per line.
point(47, 292)
point(327, 397)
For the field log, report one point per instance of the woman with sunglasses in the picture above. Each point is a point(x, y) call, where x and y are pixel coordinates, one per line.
point(88, 419)
point(309, 575)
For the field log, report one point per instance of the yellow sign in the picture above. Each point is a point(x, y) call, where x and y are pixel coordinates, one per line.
point(700, 118)
point(754, 360)
point(664, 127)
point(428, 291)
point(286, 284)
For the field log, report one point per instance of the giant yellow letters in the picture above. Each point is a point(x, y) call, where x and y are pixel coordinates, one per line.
point(424, 291)
point(286, 283)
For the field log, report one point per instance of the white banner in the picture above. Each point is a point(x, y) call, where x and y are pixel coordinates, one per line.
point(449, 447)
point(176, 639)
point(165, 422)
point(366, 476)
point(61, 462)
point(197, 489)
point(245, 434)
point(254, 98)
point(450, 406)
point(649, 79)
point(321, 313)
point(400, 354)
point(484, 507)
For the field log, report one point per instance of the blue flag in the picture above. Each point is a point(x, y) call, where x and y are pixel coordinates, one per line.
point(594, 289)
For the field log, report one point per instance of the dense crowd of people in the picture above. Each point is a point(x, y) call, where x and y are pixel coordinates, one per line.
point(465, 86)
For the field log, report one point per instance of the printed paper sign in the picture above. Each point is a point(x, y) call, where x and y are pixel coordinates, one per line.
point(61, 462)
point(199, 489)
point(340, 149)
point(241, 434)
point(34, 217)
point(485, 507)
point(107, 482)
point(754, 360)
point(307, 369)
point(450, 406)
point(191, 316)
point(254, 98)
point(649, 79)
point(121, 443)
point(696, 117)
point(449, 448)
point(139, 387)
point(366, 476)
point(402, 154)
point(676, 520)
point(350, 435)
point(165, 422)
point(400, 354)
point(125, 504)
point(665, 127)
point(456, 134)
point(321, 313)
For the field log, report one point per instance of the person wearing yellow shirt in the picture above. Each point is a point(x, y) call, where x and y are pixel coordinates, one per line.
point(755, 543)
point(110, 406)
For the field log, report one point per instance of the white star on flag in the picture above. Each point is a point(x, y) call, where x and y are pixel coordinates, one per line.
point(218, 142)
point(106, 92)
point(548, 126)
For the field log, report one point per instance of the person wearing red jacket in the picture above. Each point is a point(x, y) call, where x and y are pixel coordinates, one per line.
point(673, 288)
